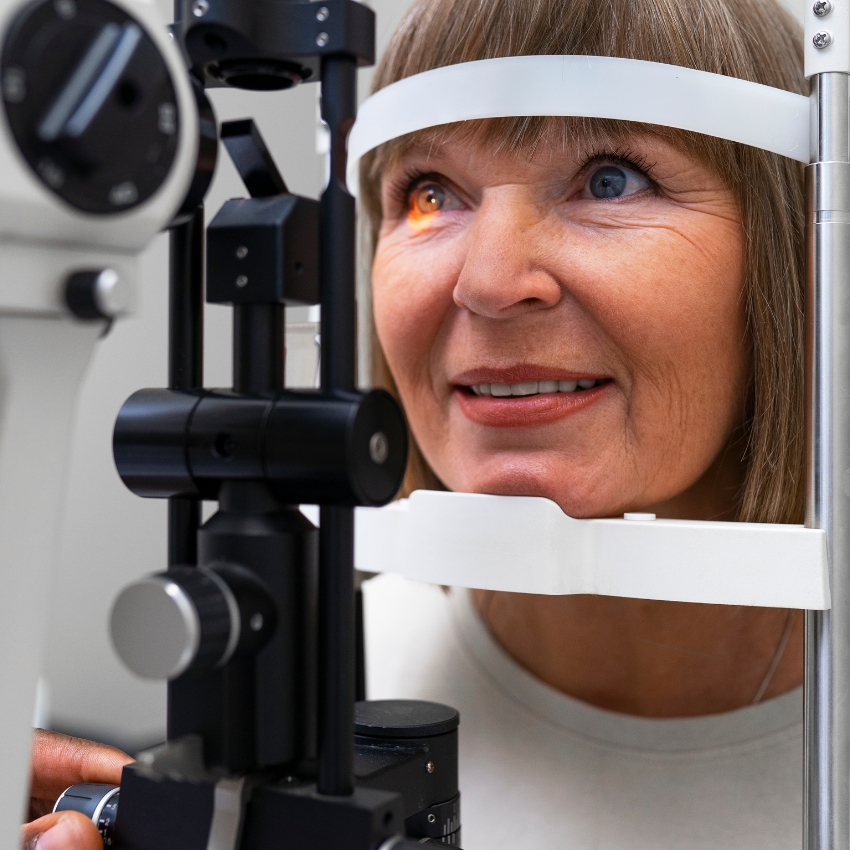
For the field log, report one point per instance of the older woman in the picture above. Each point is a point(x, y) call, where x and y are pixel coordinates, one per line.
point(608, 315)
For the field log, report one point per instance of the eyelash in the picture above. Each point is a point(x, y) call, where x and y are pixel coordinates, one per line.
point(407, 181)
point(622, 157)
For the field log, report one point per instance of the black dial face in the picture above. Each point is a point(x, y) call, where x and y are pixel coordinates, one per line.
point(90, 102)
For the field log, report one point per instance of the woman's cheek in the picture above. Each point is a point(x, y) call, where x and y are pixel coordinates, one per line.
point(411, 294)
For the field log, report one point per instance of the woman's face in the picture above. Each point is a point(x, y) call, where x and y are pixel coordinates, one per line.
point(568, 325)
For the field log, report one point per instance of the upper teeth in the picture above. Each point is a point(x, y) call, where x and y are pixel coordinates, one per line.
point(532, 388)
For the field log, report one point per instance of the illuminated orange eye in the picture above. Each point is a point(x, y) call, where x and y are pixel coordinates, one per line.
point(428, 199)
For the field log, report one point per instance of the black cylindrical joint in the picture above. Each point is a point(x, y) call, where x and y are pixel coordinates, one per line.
point(339, 448)
point(149, 443)
point(310, 447)
point(226, 440)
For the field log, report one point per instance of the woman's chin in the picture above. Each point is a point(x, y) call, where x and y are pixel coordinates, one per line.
point(582, 501)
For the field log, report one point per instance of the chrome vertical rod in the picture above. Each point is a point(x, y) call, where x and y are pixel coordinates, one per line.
point(826, 817)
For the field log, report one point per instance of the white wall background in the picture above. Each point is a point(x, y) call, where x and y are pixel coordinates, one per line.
point(110, 536)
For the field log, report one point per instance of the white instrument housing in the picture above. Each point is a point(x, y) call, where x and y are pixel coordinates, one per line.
point(44, 353)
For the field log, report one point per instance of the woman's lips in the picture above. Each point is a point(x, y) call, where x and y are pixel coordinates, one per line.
point(526, 411)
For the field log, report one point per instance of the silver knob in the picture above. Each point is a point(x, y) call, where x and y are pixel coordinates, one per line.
point(165, 624)
point(155, 628)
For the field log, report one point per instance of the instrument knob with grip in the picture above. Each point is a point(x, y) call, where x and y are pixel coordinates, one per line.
point(95, 801)
point(190, 619)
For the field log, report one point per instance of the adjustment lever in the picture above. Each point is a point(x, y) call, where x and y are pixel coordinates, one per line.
point(252, 159)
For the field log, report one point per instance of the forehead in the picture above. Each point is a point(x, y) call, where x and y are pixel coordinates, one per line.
point(534, 141)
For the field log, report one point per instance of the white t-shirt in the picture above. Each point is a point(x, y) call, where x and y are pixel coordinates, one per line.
point(539, 769)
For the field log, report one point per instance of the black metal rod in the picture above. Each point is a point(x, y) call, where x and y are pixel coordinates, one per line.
point(336, 651)
point(339, 343)
point(185, 362)
point(258, 348)
point(360, 648)
point(336, 524)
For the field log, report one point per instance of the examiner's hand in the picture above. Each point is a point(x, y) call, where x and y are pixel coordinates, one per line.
point(59, 761)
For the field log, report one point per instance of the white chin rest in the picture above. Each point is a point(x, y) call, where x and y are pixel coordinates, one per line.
point(526, 544)
point(584, 86)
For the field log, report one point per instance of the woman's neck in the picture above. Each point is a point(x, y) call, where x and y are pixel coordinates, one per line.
point(647, 658)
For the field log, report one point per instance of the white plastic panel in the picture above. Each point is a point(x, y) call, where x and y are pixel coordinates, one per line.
point(590, 86)
point(42, 361)
point(528, 545)
point(836, 23)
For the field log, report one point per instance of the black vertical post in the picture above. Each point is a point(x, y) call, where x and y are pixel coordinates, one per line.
point(360, 648)
point(336, 529)
point(185, 362)
point(258, 348)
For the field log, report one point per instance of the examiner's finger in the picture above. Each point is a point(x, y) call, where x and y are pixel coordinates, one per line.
point(62, 831)
point(59, 761)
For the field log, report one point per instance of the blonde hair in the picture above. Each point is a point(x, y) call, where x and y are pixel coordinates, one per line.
point(751, 39)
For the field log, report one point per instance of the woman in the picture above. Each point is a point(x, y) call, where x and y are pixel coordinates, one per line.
point(610, 316)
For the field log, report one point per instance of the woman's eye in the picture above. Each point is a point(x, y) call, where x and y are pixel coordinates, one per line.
point(615, 181)
point(430, 198)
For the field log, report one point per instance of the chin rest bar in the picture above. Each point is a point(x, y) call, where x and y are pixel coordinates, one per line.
point(524, 544)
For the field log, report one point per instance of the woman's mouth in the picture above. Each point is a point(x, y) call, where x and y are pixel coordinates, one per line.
point(527, 403)
point(529, 388)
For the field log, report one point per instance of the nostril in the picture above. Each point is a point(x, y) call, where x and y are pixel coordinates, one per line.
point(500, 293)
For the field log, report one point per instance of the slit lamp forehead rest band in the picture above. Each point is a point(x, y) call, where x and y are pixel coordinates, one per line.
point(584, 86)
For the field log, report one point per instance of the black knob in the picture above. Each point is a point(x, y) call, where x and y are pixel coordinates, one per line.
point(90, 103)
point(97, 294)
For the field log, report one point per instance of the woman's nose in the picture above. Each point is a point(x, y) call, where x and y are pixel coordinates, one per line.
point(503, 273)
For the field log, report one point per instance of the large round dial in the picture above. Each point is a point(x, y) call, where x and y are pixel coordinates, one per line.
point(90, 102)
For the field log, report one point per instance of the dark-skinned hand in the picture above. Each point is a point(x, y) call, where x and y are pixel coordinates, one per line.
point(59, 761)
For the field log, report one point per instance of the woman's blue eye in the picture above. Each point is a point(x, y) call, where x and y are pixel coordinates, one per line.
point(611, 181)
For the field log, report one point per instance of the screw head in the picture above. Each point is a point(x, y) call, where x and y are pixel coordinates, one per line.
point(14, 85)
point(241, 252)
point(323, 13)
point(256, 622)
point(200, 8)
point(822, 8)
point(822, 39)
point(379, 447)
point(430, 767)
point(322, 39)
point(242, 280)
point(432, 818)
point(66, 9)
